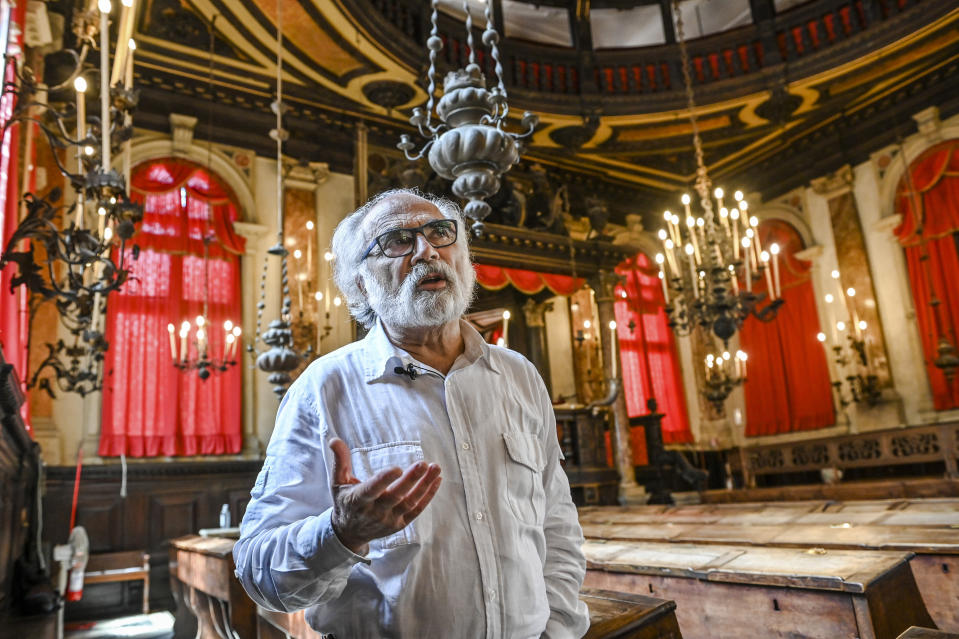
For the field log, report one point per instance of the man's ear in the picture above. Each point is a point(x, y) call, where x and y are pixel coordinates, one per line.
point(359, 284)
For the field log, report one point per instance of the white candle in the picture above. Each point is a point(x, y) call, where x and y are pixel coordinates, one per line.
point(128, 69)
point(612, 348)
point(184, 331)
point(734, 216)
point(719, 197)
point(104, 6)
point(124, 31)
point(662, 279)
point(668, 245)
point(749, 279)
point(228, 342)
point(774, 249)
point(733, 279)
point(694, 282)
point(506, 316)
point(691, 226)
point(767, 271)
point(754, 222)
point(309, 248)
point(172, 329)
point(80, 84)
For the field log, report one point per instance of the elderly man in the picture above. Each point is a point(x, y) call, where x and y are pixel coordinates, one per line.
point(412, 486)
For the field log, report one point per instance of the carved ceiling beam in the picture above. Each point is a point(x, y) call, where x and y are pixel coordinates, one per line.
point(532, 250)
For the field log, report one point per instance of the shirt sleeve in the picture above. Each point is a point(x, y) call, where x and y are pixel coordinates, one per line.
point(288, 556)
point(565, 565)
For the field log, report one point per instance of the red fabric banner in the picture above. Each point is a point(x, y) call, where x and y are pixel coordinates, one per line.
point(787, 387)
point(929, 201)
point(149, 407)
point(494, 278)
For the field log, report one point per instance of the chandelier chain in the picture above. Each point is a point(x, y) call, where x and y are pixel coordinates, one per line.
point(491, 39)
point(431, 73)
point(469, 32)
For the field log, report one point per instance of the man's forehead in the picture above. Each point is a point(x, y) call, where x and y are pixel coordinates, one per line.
point(400, 211)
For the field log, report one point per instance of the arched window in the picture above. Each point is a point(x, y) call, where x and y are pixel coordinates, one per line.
point(149, 407)
point(787, 387)
point(648, 354)
point(928, 198)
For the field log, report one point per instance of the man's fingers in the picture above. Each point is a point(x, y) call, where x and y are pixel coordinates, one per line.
point(342, 465)
point(375, 485)
point(424, 501)
point(398, 489)
point(416, 493)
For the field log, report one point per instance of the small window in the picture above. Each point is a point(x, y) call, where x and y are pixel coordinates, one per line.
point(545, 25)
point(705, 17)
point(640, 26)
point(786, 5)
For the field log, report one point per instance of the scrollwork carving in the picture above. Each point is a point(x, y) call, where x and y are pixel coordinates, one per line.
point(860, 450)
point(767, 459)
point(812, 455)
point(909, 445)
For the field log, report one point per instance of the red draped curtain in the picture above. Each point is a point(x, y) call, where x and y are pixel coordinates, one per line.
point(928, 198)
point(494, 278)
point(787, 387)
point(149, 407)
point(14, 317)
point(648, 354)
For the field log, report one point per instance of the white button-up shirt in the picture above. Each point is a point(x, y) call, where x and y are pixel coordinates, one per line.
point(496, 554)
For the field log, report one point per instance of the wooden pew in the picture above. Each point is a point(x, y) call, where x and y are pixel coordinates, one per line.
point(612, 615)
point(740, 591)
point(915, 632)
point(935, 566)
point(204, 565)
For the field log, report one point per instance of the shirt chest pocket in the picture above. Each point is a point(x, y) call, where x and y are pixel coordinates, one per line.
point(370, 460)
point(524, 473)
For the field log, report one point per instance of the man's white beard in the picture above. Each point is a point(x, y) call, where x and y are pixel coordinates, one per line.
point(405, 306)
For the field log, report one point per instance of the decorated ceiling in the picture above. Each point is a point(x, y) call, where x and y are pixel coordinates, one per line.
point(785, 92)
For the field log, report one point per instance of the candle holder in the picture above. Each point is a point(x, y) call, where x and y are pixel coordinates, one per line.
point(860, 386)
point(75, 255)
point(724, 372)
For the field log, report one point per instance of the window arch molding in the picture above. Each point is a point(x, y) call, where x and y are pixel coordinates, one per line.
point(218, 162)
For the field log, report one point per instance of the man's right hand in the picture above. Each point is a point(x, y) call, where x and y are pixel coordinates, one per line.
point(382, 505)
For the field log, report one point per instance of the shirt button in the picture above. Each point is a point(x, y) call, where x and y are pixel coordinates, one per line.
point(492, 594)
point(466, 445)
point(479, 516)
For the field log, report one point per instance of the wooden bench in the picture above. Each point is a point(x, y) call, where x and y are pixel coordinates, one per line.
point(724, 591)
point(881, 489)
point(612, 615)
point(204, 565)
point(916, 632)
point(131, 565)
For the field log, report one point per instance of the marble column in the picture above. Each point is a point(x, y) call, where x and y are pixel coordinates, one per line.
point(535, 314)
point(249, 272)
point(604, 284)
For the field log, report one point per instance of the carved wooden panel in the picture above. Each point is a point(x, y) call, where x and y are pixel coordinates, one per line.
point(921, 444)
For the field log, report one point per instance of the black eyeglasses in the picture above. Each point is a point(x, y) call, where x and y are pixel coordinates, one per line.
point(400, 242)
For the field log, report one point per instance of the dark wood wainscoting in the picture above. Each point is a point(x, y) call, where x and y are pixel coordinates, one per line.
point(164, 501)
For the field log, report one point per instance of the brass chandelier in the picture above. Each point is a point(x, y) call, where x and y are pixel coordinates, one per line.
point(710, 262)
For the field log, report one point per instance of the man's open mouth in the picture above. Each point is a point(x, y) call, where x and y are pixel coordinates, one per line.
point(433, 279)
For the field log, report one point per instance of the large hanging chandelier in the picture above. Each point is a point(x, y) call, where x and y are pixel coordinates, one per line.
point(708, 265)
point(468, 145)
point(75, 254)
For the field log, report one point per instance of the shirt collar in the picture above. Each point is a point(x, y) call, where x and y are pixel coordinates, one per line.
point(382, 356)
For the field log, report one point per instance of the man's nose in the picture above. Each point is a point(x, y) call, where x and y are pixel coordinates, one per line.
point(423, 250)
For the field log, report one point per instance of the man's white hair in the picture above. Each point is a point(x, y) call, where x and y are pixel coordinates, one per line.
point(350, 243)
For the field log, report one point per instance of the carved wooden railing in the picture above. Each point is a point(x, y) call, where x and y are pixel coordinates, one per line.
point(794, 37)
point(894, 447)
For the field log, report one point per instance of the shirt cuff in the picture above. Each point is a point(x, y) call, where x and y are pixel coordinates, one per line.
point(556, 630)
point(326, 545)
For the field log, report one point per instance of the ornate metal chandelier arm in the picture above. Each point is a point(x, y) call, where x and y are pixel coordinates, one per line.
point(406, 144)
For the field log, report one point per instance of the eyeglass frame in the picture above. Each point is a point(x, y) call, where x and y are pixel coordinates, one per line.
point(418, 229)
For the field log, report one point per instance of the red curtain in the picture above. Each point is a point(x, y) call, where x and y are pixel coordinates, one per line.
point(494, 278)
point(787, 387)
point(929, 201)
point(648, 355)
point(149, 407)
point(14, 315)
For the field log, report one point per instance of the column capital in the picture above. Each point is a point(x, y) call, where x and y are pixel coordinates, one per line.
point(535, 312)
point(307, 177)
point(251, 232)
point(834, 184)
point(604, 284)
point(812, 254)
